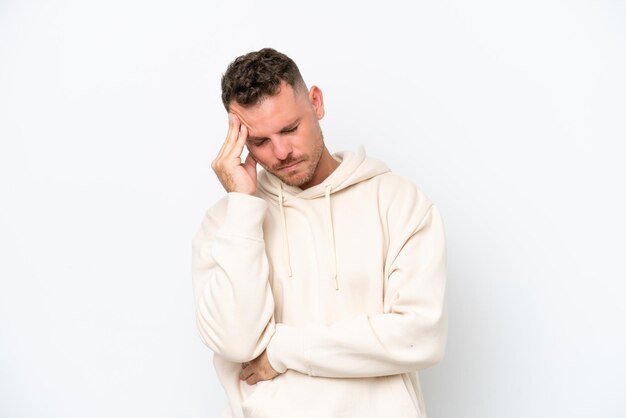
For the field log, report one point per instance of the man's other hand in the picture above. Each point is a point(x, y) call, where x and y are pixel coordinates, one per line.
point(234, 175)
point(257, 370)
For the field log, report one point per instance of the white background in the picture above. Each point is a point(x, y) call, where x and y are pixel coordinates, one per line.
point(511, 116)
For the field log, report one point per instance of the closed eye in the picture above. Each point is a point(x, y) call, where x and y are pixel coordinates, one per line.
point(295, 128)
point(259, 142)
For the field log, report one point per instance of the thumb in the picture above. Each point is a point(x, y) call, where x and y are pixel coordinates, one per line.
point(250, 164)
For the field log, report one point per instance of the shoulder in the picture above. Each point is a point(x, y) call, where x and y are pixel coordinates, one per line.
point(402, 205)
point(396, 190)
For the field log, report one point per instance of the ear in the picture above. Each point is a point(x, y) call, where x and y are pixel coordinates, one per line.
point(317, 101)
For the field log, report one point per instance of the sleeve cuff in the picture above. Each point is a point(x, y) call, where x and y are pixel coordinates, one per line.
point(244, 216)
point(286, 350)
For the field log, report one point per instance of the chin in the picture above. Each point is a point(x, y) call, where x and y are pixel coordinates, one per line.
point(296, 181)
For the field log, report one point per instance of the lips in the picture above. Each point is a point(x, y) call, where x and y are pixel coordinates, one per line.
point(287, 167)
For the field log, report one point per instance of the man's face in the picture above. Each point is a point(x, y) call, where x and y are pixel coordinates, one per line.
point(284, 135)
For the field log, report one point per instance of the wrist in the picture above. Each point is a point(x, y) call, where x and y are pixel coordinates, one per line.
point(244, 215)
point(286, 349)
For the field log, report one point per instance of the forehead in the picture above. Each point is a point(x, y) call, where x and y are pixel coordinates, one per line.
point(272, 114)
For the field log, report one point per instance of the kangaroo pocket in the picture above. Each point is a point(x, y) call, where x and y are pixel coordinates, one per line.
point(293, 394)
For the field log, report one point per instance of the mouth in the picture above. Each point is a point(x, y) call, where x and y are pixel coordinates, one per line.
point(289, 167)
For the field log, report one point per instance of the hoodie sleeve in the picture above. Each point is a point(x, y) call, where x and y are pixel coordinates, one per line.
point(411, 332)
point(234, 304)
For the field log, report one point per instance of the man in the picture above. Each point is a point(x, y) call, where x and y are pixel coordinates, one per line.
point(320, 281)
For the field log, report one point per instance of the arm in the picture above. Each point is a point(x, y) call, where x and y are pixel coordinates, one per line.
point(234, 304)
point(409, 335)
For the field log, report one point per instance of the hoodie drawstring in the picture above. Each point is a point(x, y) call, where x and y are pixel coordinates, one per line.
point(330, 232)
point(331, 239)
point(284, 225)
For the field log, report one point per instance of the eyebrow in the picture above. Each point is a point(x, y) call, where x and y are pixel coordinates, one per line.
point(282, 131)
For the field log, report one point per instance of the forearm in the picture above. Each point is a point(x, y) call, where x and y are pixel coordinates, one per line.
point(410, 332)
point(234, 304)
point(363, 346)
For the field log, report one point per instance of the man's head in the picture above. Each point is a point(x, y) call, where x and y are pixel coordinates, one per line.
point(254, 76)
point(266, 92)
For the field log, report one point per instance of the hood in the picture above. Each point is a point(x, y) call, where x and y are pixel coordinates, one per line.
point(354, 168)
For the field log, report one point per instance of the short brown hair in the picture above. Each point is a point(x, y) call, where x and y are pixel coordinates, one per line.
point(253, 76)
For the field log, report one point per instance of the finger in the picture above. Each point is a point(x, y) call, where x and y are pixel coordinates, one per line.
point(237, 147)
point(246, 373)
point(233, 128)
point(250, 165)
point(250, 160)
point(252, 380)
point(244, 365)
point(231, 136)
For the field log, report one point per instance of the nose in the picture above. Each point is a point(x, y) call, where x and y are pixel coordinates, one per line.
point(282, 148)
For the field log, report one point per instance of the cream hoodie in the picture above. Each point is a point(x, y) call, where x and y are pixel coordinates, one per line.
point(342, 283)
